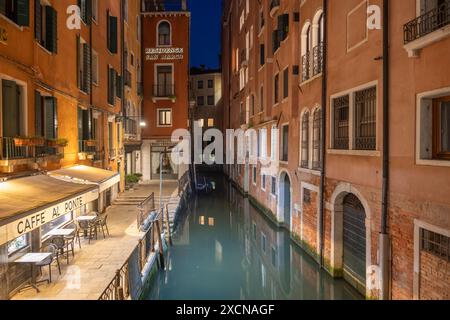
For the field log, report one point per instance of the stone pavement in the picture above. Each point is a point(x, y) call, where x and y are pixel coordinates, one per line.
point(95, 265)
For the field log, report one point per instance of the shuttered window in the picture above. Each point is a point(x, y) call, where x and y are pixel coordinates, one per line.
point(45, 27)
point(305, 141)
point(283, 27)
point(46, 116)
point(262, 54)
point(84, 60)
point(112, 86)
point(275, 41)
point(17, 11)
point(286, 83)
point(112, 33)
point(85, 10)
point(11, 113)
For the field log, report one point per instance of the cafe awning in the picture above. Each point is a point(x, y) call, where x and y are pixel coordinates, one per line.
point(87, 175)
point(28, 203)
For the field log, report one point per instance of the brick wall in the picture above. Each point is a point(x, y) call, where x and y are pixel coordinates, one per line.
point(434, 277)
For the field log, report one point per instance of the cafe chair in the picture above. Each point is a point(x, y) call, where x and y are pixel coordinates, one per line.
point(75, 236)
point(93, 225)
point(102, 224)
point(53, 249)
point(60, 243)
point(89, 229)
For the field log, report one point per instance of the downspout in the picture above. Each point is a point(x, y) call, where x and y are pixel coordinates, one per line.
point(323, 131)
point(384, 241)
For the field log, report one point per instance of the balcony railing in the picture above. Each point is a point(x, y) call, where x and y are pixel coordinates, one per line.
point(425, 24)
point(312, 62)
point(306, 66)
point(163, 91)
point(9, 150)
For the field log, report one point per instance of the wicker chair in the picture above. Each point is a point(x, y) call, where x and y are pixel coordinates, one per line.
point(103, 224)
point(53, 249)
point(89, 228)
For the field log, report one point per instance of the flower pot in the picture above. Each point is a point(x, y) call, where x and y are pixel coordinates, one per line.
point(21, 142)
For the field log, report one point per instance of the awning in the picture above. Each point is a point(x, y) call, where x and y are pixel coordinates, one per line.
point(87, 175)
point(28, 203)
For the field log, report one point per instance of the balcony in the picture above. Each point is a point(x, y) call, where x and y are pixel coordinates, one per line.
point(427, 29)
point(164, 91)
point(164, 5)
point(14, 149)
point(312, 63)
point(274, 6)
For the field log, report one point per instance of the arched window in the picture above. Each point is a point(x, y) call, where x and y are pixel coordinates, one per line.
point(321, 34)
point(164, 34)
point(305, 141)
point(306, 47)
point(317, 137)
point(317, 43)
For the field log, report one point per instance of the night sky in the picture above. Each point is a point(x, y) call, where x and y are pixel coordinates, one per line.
point(205, 32)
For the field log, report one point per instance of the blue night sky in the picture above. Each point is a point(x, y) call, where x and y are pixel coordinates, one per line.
point(205, 32)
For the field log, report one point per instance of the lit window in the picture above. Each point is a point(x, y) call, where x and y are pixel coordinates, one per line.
point(164, 117)
point(164, 34)
point(210, 123)
point(17, 244)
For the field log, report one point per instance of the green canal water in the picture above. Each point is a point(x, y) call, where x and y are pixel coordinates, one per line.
point(224, 248)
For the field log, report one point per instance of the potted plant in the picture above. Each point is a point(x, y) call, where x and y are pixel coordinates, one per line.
point(22, 141)
point(173, 98)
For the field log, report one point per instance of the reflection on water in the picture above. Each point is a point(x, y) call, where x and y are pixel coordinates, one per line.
point(225, 249)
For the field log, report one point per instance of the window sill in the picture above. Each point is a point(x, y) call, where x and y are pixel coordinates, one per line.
point(360, 153)
point(310, 171)
point(44, 49)
point(433, 162)
point(413, 48)
point(305, 82)
point(11, 22)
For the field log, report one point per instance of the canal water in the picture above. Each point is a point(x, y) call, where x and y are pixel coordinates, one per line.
point(225, 249)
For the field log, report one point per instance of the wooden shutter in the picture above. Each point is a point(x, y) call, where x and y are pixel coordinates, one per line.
point(112, 33)
point(38, 20)
point(49, 118)
point(38, 114)
point(11, 109)
point(23, 12)
point(86, 68)
point(3, 7)
point(51, 24)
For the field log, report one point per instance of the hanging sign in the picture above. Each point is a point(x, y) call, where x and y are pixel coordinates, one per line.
point(152, 54)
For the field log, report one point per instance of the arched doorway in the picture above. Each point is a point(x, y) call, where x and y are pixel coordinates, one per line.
point(285, 203)
point(354, 241)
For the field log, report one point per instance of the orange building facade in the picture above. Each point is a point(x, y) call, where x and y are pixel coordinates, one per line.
point(284, 62)
point(166, 86)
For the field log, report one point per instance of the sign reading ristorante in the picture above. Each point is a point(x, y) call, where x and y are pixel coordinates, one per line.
point(164, 54)
point(35, 220)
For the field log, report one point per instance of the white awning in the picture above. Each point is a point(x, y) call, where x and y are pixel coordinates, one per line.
point(28, 203)
point(87, 175)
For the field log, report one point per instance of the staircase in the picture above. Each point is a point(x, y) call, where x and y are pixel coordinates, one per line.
point(128, 201)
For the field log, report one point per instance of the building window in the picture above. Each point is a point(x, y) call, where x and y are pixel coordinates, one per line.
point(276, 88)
point(112, 86)
point(341, 107)
point(317, 138)
point(165, 117)
point(252, 104)
point(200, 101)
point(210, 84)
point(305, 141)
point(210, 123)
point(254, 175)
point(110, 138)
point(261, 99)
point(306, 196)
point(200, 84)
point(18, 11)
point(164, 34)
point(441, 128)
point(285, 144)
point(13, 114)
point(436, 244)
point(263, 137)
point(112, 31)
point(262, 54)
point(164, 81)
point(210, 100)
point(46, 119)
point(273, 186)
point(273, 143)
point(95, 66)
point(263, 243)
point(45, 27)
point(365, 119)
point(17, 244)
point(286, 83)
point(83, 65)
point(263, 182)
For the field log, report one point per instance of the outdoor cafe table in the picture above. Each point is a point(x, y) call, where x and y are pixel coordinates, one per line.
point(32, 259)
point(61, 232)
point(86, 218)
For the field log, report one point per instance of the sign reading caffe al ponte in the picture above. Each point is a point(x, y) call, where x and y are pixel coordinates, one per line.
point(152, 54)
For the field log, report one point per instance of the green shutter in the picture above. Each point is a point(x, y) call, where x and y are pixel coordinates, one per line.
point(51, 24)
point(23, 12)
point(87, 68)
point(11, 110)
point(86, 125)
point(38, 20)
point(3, 7)
point(50, 119)
point(88, 12)
point(112, 33)
point(38, 113)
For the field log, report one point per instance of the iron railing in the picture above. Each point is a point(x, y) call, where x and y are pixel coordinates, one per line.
point(425, 24)
point(145, 209)
point(341, 123)
point(365, 119)
point(9, 150)
point(130, 126)
point(317, 59)
point(306, 66)
point(163, 91)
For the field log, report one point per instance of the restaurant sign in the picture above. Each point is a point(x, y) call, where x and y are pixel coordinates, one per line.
point(152, 54)
point(37, 219)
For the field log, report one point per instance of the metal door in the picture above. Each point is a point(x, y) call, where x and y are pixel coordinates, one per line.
point(354, 241)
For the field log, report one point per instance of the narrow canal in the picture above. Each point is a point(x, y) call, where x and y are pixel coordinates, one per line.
point(224, 248)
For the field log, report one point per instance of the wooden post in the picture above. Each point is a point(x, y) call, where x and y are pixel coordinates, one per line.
point(161, 249)
point(169, 233)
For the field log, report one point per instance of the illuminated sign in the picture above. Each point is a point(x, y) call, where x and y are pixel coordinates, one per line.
point(152, 54)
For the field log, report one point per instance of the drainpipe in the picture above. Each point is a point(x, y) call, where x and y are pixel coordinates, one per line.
point(323, 131)
point(384, 241)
